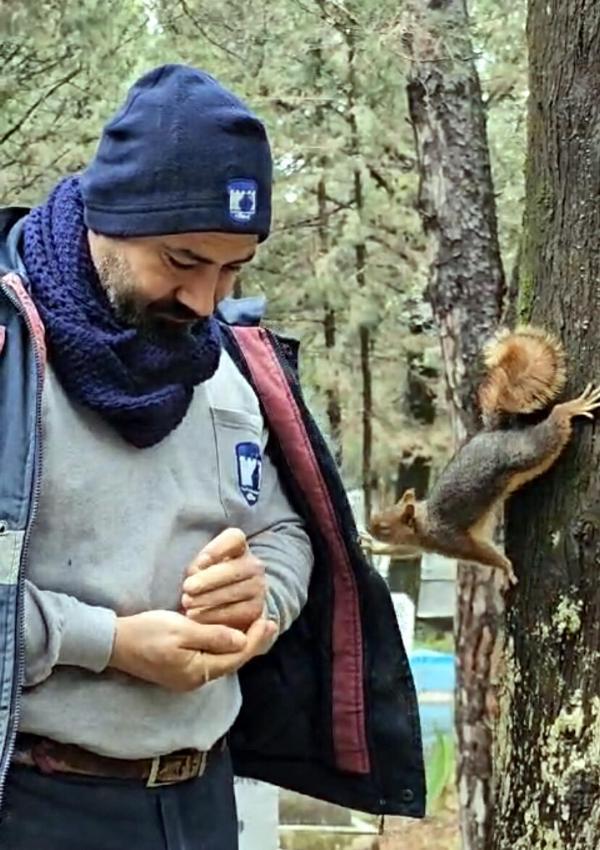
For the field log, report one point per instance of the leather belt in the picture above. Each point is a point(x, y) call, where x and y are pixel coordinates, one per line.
point(50, 756)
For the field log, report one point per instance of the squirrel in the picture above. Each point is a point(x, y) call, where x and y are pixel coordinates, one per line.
point(526, 371)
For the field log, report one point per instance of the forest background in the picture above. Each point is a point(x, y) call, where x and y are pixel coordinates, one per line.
point(347, 265)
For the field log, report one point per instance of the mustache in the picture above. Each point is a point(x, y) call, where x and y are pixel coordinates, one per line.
point(173, 311)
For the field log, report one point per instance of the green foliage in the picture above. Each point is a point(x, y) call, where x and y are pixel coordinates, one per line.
point(428, 636)
point(63, 68)
point(440, 766)
point(499, 38)
point(328, 78)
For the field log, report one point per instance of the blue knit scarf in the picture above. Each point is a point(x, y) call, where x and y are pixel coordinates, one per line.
point(141, 383)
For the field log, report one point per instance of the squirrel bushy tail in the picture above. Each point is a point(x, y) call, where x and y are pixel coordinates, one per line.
point(526, 370)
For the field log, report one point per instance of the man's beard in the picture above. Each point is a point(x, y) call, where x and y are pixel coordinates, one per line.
point(163, 318)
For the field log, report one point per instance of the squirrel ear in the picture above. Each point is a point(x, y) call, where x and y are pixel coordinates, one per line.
point(408, 513)
point(407, 498)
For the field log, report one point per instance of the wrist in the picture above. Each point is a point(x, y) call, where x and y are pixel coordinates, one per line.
point(121, 645)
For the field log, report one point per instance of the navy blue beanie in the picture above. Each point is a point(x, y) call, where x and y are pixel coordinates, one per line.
point(183, 154)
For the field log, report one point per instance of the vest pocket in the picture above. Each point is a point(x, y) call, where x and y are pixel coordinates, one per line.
point(239, 446)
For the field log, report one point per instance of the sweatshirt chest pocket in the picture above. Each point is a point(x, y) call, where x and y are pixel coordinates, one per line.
point(239, 446)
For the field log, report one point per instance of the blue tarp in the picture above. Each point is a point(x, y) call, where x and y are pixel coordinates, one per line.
point(434, 673)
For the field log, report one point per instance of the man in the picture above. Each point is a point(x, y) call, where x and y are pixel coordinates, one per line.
point(167, 507)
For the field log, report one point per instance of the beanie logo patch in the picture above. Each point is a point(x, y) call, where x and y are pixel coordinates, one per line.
point(242, 200)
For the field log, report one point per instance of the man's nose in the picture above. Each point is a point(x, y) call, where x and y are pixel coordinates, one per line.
point(200, 294)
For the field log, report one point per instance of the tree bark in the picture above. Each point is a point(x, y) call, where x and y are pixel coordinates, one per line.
point(332, 393)
point(466, 291)
point(548, 746)
point(360, 257)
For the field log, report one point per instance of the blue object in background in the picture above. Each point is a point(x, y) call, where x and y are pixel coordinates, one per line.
point(433, 671)
point(437, 718)
point(434, 675)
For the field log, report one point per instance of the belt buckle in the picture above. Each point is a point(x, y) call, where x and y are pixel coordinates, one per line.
point(171, 769)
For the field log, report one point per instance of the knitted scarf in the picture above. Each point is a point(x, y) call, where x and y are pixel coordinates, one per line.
point(141, 383)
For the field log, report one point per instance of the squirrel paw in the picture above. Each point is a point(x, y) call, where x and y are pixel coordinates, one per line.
point(366, 541)
point(586, 404)
point(510, 576)
point(506, 570)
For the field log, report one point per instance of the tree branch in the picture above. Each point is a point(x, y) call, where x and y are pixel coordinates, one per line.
point(17, 125)
point(380, 179)
point(203, 33)
point(308, 222)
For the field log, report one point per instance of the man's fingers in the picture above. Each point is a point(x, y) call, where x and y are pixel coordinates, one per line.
point(249, 588)
point(230, 543)
point(260, 637)
point(239, 615)
point(222, 575)
point(218, 639)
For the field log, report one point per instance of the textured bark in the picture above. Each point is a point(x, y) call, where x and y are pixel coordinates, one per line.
point(466, 290)
point(360, 257)
point(334, 405)
point(420, 396)
point(548, 746)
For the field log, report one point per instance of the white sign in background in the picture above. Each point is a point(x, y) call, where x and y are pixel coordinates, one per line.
point(258, 814)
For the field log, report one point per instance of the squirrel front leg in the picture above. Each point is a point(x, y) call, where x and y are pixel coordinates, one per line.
point(399, 552)
point(484, 552)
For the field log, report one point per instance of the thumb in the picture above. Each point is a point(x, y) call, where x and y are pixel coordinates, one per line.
point(215, 639)
point(260, 637)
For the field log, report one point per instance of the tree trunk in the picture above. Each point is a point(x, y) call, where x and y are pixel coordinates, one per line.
point(360, 257)
point(332, 393)
point(548, 746)
point(466, 290)
point(334, 404)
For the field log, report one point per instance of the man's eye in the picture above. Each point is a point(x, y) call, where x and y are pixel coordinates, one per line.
point(178, 265)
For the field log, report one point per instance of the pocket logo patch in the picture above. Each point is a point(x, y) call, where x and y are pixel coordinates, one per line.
point(249, 468)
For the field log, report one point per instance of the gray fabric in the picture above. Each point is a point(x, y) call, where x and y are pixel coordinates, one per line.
point(115, 530)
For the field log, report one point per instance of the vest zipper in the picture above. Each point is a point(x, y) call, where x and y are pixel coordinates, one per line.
point(17, 685)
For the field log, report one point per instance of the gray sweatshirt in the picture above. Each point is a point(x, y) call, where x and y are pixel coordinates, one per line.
point(115, 530)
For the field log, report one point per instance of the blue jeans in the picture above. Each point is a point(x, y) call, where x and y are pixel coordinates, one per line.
point(68, 812)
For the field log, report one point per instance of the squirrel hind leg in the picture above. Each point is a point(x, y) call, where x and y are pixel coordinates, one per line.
point(584, 405)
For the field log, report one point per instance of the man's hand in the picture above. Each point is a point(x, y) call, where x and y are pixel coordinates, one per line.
point(225, 583)
point(170, 650)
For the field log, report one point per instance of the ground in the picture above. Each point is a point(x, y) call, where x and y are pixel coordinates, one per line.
point(437, 832)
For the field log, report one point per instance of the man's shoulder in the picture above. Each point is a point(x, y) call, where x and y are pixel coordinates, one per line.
point(11, 225)
point(247, 312)
point(9, 215)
